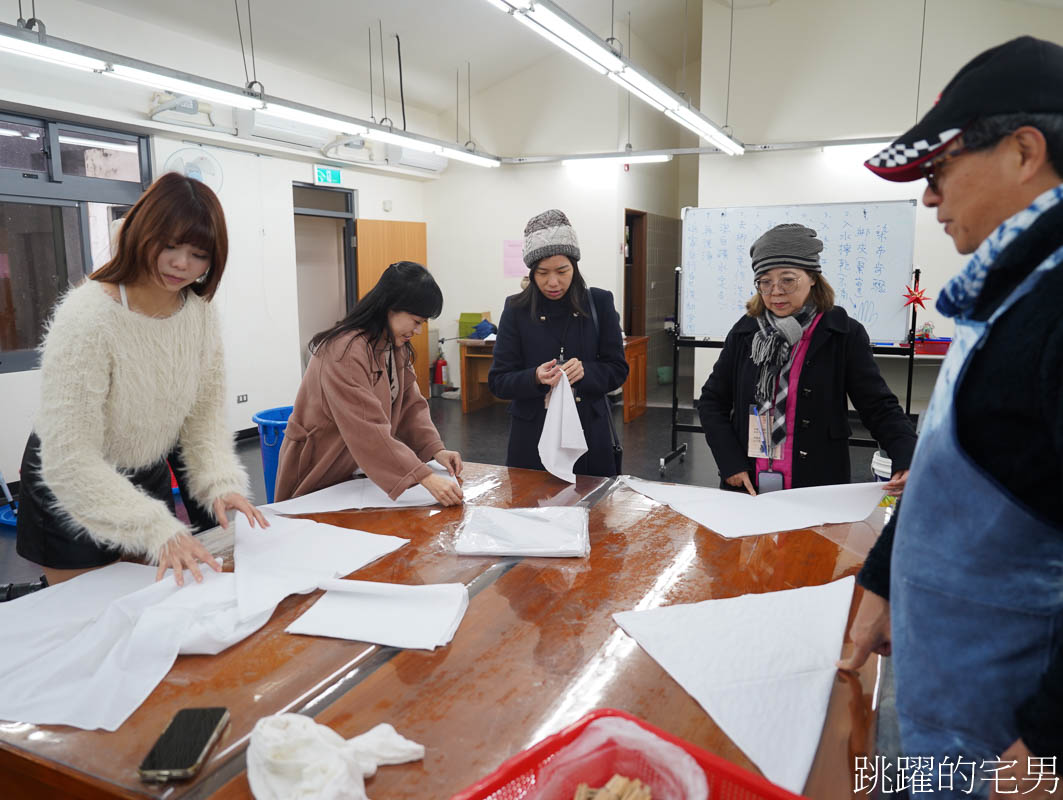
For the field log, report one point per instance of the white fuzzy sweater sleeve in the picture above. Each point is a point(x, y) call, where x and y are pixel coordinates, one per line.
point(206, 443)
point(76, 370)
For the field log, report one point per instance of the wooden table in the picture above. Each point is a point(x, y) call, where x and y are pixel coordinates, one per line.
point(537, 649)
point(476, 357)
point(635, 385)
point(270, 671)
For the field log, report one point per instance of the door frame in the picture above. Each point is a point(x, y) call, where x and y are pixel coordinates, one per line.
point(350, 241)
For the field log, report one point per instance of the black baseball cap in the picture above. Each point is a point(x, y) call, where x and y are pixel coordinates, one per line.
point(1023, 75)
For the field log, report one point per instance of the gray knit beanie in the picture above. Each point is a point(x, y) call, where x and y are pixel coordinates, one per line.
point(549, 234)
point(787, 245)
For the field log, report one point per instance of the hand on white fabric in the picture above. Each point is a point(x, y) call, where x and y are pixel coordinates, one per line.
point(240, 503)
point(444, 490)
point(1020, 779)
point(870, 631)
point(184, 551)
point(895, 485)
point(742, 479)
point(451, 459)
point(548, 373)
point(574, 369)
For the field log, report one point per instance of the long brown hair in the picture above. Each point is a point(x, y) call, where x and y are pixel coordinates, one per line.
point(174, 210)
point(821, 294)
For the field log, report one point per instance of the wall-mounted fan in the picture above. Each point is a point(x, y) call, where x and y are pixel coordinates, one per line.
point(197, 164)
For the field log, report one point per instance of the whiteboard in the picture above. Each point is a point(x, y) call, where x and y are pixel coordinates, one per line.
point(867, 258)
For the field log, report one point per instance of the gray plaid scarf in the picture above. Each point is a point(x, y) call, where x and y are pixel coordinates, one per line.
point(773, 347)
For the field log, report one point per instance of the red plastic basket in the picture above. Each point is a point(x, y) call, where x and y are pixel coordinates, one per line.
point(515, 777)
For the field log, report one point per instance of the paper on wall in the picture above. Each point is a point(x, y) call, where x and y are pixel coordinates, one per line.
point(734, 514)
point(420, 617)
point(761, 665)
point(562, 441)
point(549, 531)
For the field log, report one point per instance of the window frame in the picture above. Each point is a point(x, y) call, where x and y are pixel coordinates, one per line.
point(53, 187)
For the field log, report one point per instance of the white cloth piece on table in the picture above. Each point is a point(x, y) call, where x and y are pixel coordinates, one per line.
point(418, 617)
point(550, 531)
point(292, 556)
point(562, 441)
point(88, 651)
point(761, 665)
point(735, 514)
point(354, 494)
point(291, 757)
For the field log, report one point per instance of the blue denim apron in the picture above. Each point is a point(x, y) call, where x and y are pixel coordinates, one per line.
point(976, 591)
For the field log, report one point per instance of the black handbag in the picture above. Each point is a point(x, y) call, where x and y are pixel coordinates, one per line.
point(618, 449)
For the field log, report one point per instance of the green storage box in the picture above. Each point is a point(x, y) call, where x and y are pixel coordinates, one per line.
point(466, 322)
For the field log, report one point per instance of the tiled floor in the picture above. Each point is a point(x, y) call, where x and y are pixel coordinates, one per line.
point(481, 437)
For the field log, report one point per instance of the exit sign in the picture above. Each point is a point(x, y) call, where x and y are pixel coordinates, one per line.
point(327, 176)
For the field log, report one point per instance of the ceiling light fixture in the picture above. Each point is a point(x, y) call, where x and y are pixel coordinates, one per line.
point(551, 22)
point(318, 120)
point(16, 40)
point(182, 86)
point(620, 158)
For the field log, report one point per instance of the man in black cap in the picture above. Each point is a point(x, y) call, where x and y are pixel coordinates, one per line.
point(966, 584)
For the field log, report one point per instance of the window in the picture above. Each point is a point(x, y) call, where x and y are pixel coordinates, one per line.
point(62, 187)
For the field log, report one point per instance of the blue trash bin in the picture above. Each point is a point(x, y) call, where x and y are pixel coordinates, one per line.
point(271, 424)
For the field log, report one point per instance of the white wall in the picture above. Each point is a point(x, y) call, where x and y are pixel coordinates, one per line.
point(796, 79)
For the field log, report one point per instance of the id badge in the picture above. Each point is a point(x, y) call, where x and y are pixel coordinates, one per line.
point(759, 426)
point(769, 481)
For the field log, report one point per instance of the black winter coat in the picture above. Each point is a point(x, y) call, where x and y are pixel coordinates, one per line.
point(525, 342)
point(838, 362)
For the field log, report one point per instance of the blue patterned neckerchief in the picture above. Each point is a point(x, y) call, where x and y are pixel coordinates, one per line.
point(959, 295)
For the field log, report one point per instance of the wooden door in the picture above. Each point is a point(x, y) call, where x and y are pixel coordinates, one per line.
point(382, 242)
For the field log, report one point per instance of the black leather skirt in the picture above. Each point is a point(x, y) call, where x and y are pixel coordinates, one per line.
point(51, 539)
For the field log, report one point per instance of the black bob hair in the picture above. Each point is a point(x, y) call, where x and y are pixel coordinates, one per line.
point(404, 286)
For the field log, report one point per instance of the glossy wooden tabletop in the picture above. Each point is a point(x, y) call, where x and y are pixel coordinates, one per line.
point(538, 649)
point(270, 671)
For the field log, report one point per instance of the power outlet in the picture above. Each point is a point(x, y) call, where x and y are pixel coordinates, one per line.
point(241, 398)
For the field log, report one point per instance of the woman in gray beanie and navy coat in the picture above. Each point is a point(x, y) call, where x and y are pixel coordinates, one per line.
point(774, 408)
point(549, 328)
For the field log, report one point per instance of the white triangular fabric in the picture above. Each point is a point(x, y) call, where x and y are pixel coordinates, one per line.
point(735, 514)
point(293, 556)
point(353, 494)
point(761, 665)
point(562, 441)
point(88, 651)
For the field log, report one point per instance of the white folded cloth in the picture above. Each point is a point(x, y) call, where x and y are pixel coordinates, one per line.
point(562, 441)
point(422, 617)
point(550, 531)
point(291, 757)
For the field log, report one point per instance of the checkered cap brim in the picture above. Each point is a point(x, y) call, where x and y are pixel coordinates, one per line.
point(901, 160)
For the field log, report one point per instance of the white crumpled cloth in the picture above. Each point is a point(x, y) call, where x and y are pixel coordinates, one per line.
point(291, 757)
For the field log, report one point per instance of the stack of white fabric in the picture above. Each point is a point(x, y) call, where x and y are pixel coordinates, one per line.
point(550, 531)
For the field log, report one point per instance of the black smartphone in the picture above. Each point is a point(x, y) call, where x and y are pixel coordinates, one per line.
point(182, 748)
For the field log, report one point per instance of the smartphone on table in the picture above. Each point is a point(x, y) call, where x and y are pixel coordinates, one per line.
point(183, 747)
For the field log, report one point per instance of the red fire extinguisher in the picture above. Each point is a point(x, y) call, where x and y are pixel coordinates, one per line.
point(439, 372)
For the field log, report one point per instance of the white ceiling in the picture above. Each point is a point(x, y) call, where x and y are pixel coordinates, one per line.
point(329, 38)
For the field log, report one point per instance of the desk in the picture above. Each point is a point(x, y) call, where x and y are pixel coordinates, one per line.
point(476, 357)
point(536, 650)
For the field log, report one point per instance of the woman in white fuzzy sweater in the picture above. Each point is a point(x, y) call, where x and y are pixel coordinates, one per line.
point(132, 366)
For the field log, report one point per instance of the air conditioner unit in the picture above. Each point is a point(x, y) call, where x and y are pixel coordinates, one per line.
point(418, 159)
point(252, 123)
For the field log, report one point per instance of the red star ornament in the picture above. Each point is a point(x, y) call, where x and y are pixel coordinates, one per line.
point(915, 296)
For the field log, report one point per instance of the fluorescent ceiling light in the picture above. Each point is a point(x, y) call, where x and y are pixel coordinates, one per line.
point(22, 47)
point(559, 42)
point(183, 87)
point(124, 147)
point(9, 132)
point(506, 7)
point(620, 158)
point(649, 88)
point(469, 158)
point(402, 141)
point(629, 88)
point(708, 132)
point(325, 121)
point(573, 36)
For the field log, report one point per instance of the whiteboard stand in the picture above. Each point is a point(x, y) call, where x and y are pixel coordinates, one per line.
point(679, 450)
